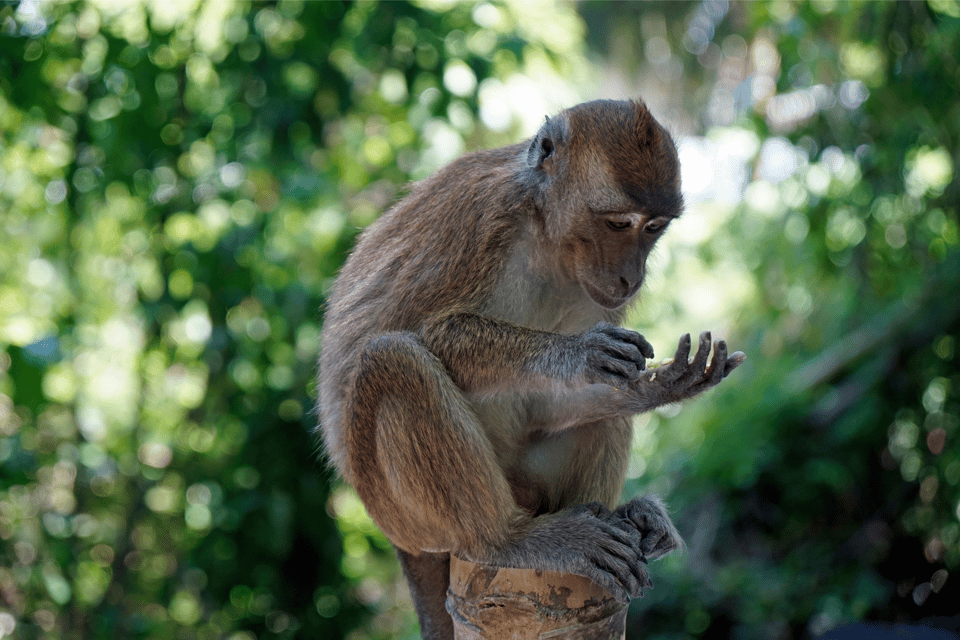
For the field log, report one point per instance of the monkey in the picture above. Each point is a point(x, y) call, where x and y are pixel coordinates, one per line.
point(475, 386)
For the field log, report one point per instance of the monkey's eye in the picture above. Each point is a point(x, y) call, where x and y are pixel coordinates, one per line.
point(654, 226)
point(618, 225)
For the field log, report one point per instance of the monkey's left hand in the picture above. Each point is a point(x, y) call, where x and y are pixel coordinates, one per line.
point(684, 378)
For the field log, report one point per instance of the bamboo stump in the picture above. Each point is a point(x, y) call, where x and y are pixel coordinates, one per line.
point(496, 603)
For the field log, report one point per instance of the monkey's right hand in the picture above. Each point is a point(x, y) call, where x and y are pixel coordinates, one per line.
point(682, 377)
point(610, 354)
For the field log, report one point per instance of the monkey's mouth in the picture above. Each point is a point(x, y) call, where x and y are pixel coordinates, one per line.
point(603, 298)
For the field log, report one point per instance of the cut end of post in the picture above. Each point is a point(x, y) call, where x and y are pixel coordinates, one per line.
point(489, 603)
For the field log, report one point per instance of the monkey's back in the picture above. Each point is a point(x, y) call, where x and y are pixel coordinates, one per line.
point(438, 249)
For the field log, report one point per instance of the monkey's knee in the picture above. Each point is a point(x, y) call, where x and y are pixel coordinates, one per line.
point(399, 377)
point(388, 350)
point(396, 359)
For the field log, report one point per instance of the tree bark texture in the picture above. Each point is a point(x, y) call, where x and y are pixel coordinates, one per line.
point(496, 603)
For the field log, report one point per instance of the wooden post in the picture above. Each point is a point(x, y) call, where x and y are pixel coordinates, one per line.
point(496, 603)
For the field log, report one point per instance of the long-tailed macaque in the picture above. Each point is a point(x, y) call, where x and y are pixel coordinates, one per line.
point(475, 388)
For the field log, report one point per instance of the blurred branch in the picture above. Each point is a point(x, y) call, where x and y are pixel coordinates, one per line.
point(863, 340)
point(936, 310)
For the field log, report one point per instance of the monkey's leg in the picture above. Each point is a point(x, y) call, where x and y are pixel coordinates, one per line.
point(596, 473)
point(425, 468)
point(420, 459)
point(599, 453)
point(428, 576)
point(580, 534)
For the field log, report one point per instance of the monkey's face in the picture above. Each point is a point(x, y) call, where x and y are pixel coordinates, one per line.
point(609, 252)
point(612, 186)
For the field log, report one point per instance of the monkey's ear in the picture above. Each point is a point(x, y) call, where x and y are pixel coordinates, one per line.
point(544, 144)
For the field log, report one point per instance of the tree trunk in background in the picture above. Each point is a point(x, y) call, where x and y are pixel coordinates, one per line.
point(493, 603)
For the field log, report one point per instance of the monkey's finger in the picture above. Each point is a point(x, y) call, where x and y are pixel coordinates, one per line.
point(625, 351)
point(718, 364)
point(671, 372)
point(735, 360)
point(632, 515)
point(703, 352)
point(624, 564)
point(638, 565)
point(638, 571)
point(683, 349)
point(632, 576)
point(646, 348)
point(609, 369)
point(645, 580)
point(597, 567)
point(651, 540)
point(635, 339)
point(669, 542)
point(606, 578)
point(628, 553)
point(621, 371)
point(597, 509)
point(619, 530)
point(621, 344)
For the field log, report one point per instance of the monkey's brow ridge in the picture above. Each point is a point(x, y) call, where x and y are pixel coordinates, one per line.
point(657, 201)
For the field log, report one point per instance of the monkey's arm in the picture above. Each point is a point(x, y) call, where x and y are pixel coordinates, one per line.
point(552, 412)
point(483, 355)
point(673, 382)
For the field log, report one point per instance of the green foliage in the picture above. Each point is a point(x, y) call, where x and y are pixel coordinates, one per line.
point(824, 484)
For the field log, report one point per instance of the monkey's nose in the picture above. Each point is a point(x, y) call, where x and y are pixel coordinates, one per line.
point(629, 288)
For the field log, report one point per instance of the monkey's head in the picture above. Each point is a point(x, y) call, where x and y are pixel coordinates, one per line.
point(606, 180)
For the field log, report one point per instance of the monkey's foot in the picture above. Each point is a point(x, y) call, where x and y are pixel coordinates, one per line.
point(588, 540)
point(649, 516)
point(613, 552)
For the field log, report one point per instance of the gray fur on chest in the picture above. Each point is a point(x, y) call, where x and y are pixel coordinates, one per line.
point(533, 295)
point(530, 294)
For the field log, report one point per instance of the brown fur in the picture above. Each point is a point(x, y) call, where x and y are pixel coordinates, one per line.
point(463, 392)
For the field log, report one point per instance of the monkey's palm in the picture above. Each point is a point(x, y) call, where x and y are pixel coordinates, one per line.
point(684, 378)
